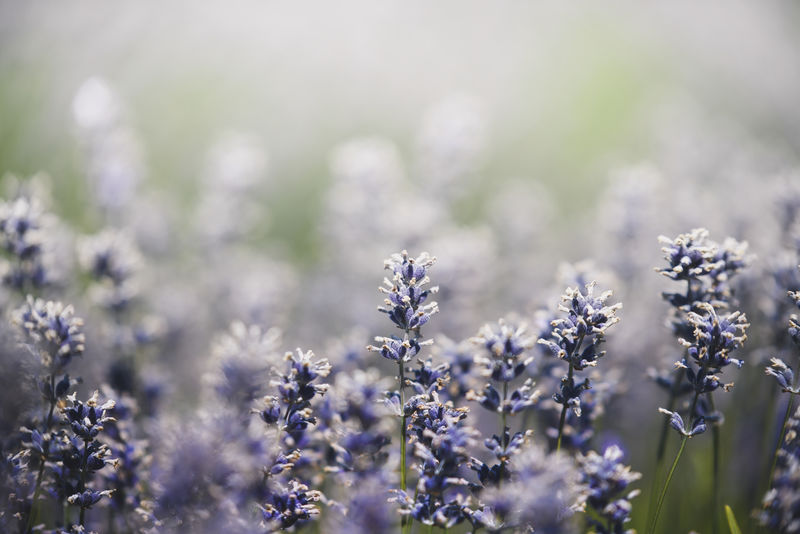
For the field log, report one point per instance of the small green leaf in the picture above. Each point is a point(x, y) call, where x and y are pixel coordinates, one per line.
point(732, 524)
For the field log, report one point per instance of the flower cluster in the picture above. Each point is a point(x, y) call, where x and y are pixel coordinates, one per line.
point(112, 260)
point(541, 496)
point(707, 269)
point(290, 412)
point(243, 355)
point(715, 338)
point(288, 505)
point(56, 333)
point(406, 292)
point(782, 502)
point(502, 360)
point(606, 480)
point(576, 338)
point(441, 442)
point(21, 238)
point(82, 454)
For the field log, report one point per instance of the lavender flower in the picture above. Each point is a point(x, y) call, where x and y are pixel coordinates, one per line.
point(505, 345)
point(503, 359)
point(405, 294)
point(576, 338)
point(296, 388)
point(406, 308)
point(112, 260)
point(606, 480)
point(541, 496)
point(441, 441)
point(354, 425)
point(82, 454)
point(287, 506)
point(22, 238)
point(243, 356)
point(781, 504)
point(714, 339)
point(56, 333)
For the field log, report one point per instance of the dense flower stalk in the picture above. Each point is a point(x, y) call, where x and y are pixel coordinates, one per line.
point(576, 338)
point(503, 359)
point(715, 338)
point(290, 413)
point(407, 307)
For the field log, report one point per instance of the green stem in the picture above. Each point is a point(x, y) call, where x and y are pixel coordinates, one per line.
point(38, 486)
point(715, 439)
point(563, 418)
point(756, 492)
point(666, 485)
point(503, 409)
point(402, 428)
point(662, 443)
point(673, 397)
point(786, 416)
point(675, 463)
point(82, 487)
point(405, 521)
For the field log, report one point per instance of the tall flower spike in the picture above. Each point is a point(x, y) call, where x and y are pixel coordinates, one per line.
point(407, 309)
point(575, 338)
point(82, 455)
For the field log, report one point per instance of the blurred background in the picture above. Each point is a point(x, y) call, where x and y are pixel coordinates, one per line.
point(562, 93)
point(266, 157)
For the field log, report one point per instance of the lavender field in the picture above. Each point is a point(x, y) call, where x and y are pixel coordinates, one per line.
point(399, 268)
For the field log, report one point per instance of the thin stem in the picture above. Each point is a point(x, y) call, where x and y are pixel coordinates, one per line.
point(666, 485)
point(503, 432)
point(664, 436)
point(402, 428)
point(405, 521)
point(503, 409)
point(38, 486)
point(715, 469)
point(82, 487)
point(563, 418)
point(786, 416)
point(673, 397)
point(571, 382)
point(662, 440)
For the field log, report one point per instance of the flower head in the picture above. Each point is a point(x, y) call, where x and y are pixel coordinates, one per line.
point(584, 326)
point(688, 255)
point(715, 337)
point(505, 346)
point(406, 291)
point(55, 331)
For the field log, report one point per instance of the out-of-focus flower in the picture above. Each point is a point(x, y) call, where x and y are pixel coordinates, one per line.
point(56, 334)
point(606, 480)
